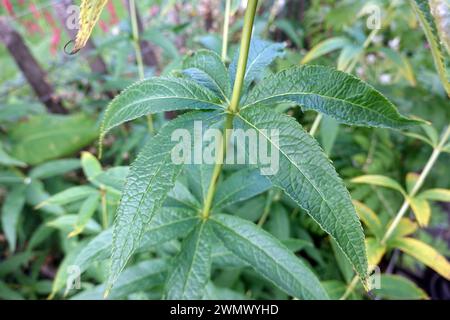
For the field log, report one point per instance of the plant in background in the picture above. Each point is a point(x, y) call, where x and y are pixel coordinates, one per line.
point(164, 229)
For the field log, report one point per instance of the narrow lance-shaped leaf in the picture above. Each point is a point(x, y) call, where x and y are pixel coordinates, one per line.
point(422, 9)
point(157, 95)
point(240, 186)
point(331, 92)
point(142, 276)
point(325, 47)
point(151, 177)
point(89, 15)
point(261, 54)
point(12, 207)
point(87, 210)
point(307, 177)
point(208, 70)
point(398, 288)
point(267, 256)
point(425, 254)
point(168, 224)
point(192, 267)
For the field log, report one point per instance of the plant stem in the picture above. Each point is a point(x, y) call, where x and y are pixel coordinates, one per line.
point(430, 163)
point(243, 55)
point(316, 124)
point(138, 53)
point(226, 27)
point(267, 206)
point(217, 168)
point(105, 219)
point(234, 106)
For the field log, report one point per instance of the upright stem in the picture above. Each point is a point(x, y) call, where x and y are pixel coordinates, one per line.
point(243, 55)
point(138, 53)
point(234, 106)
point(226, 27)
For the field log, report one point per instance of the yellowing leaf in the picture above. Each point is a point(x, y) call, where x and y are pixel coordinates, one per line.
point(375, 251)
point(381, 181)
point(425, 254)
point(442, 195)
point(411, 180)
point(369, 218)
point(89, 15)
point(324, 48)
point(404, 228)
point(421, 209)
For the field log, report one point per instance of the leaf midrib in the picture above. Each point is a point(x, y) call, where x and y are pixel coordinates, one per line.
point(305, 93)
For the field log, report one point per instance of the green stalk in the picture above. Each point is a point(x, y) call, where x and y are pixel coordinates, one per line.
point(405, 206)
point(234, 106)
point(138, 53)
point(243, 55)
point(226, 27)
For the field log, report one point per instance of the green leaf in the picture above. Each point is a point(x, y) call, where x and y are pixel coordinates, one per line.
point(168, 224)
point(279, 224)
point(85, 214)
point(325, 47)
point(369, 218)
point(68, 196)
point(11, 210)
point(48, 137)
point(329, 130)
point(156, 95)
point(267, 256)
point(6, 293)
point(151, 177)
point(192, 267)
point(140, 277)
point(36, 194)
point(91, 166)
point(67, 222)
point(437, 194)
point(425, 254)
point(7, 160)
point(207, 69)
point(351, 102)
point(344, 265)
point(261, 54)
point(213, 292)
point(240, 186)
point(54, 168)
point(381, 181)
point(307, 177)
point(97, 249)
point(334, 288)
point(64, 271)
point(180, 194)
point(422, 9)
point(398, 288)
